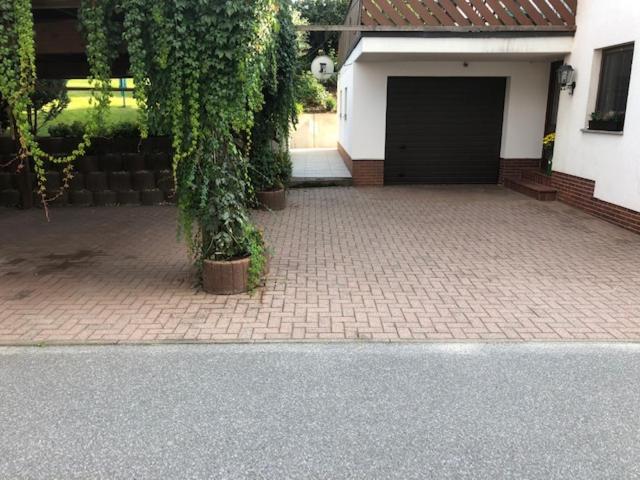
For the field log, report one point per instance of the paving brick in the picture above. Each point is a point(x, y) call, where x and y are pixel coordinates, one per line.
point(379, 264)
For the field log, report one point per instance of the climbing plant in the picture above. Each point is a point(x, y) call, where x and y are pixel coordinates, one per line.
point(199, 69)
point(18, 81)
point(270, 166)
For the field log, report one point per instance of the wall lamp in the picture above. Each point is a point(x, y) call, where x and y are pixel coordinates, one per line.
point(567, 78)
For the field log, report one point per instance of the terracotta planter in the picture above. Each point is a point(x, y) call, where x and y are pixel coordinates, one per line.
point(226, 277)
point(273, 199)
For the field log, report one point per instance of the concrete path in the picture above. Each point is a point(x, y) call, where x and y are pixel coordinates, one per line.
point(348, 411)
point(318, 163)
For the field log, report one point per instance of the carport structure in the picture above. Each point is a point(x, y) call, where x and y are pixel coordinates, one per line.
point(60, 47)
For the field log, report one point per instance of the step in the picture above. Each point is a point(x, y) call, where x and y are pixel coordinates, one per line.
point(543, 193)
point(306, 182)
point(536, 177)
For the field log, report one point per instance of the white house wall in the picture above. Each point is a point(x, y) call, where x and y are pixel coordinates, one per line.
point(612, 161)
point(363, 134)
point(345, 123)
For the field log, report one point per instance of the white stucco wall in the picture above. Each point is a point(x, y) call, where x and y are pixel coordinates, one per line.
point(613, 162)
point(363, 134)
point(345, 79)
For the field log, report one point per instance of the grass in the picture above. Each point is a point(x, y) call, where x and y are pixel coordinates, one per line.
point(80, 106)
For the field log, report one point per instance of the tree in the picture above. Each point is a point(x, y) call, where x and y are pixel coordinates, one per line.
point(323, 12)
point(48, 100)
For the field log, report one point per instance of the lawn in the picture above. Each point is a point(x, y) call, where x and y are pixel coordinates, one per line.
point(122, 110)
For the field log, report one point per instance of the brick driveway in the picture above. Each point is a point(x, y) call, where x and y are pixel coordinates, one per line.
point(423, 263)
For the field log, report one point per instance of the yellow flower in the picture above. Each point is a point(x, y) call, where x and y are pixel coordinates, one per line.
point(549, 140)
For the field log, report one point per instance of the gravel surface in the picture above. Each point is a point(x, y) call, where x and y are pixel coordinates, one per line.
point(442, 411)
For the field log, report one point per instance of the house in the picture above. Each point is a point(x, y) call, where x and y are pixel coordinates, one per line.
point(463, 91)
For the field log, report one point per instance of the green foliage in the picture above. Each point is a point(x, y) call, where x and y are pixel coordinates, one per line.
point(322, 12)
point(123, 129)
point(18, 81)
point(48, 100)
point(78, 128)
point(73, 129)
point(610, 116)
point(256, 248)
point(199, 69)
point(313, 96)
point(270, 166)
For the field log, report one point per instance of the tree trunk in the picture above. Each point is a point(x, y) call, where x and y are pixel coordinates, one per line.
point(25, 185)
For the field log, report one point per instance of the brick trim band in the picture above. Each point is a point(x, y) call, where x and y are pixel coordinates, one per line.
point(365, 173)
point(578, 192)
point(514, 167)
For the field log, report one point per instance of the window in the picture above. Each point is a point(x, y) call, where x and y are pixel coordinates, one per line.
point(615, 76)
point(344, 109)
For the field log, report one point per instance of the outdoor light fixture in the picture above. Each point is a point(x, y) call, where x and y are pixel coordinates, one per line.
point(567, 78)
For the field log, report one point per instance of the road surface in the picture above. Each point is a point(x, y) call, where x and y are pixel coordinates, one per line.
point(333, 411)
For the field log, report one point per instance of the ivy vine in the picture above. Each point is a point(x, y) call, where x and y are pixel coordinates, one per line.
point(18, 77)
point(202, 72)
point(270, 165)
point(199, 69)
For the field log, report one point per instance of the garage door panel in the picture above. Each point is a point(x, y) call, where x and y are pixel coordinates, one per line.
point(444, 130)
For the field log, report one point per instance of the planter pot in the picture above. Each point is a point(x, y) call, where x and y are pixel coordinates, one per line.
point(272, 199)
point(226, 277)
point(606, 125)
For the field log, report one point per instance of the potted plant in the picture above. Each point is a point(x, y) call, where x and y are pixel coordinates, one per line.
point(269, 160)
point(230, 247)
point(241, 272)
point(547, 152)
point(271, 171)
point(607, 121)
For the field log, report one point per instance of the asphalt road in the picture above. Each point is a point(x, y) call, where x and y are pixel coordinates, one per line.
point(436, 411)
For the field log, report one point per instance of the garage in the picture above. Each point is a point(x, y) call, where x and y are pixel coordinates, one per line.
point(443, 130)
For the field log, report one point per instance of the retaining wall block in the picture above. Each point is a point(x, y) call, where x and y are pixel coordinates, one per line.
point(111, 162)
point(129, 197)
point(88, 163)
point(82, 198)
point(152, 197)
point(77, 182)
point(105, 198)
point(133, 162)
point(96, 181)
point(9, 197)
point(120, 181)
point(143, 180)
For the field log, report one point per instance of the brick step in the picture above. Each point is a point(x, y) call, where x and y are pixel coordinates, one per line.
point(536, 177)
point(539, 191)
point(307, 182)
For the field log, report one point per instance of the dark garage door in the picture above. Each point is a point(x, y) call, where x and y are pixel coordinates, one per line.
point(443, 130)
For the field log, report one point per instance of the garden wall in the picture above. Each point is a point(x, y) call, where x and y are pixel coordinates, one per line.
point(121, 171)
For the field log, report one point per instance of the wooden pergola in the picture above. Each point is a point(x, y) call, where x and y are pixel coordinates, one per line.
point(60, 47)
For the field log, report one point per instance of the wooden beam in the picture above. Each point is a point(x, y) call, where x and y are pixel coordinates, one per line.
point(59, 36)
point(435, 29)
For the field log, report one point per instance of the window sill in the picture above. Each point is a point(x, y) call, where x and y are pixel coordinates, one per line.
point(602, 132)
